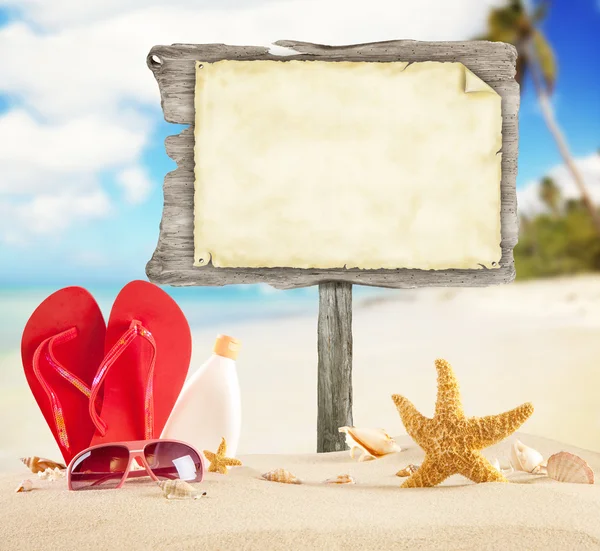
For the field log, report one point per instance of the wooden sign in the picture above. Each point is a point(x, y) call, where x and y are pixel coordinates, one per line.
point(390, 164)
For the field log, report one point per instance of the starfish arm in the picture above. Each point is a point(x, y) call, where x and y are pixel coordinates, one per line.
point(231, 462)
point(490, 430)
point(477, 468)
point(414, 421)
point(222, 447)
point(430, 473)
point(209, 455)
point(448, 396)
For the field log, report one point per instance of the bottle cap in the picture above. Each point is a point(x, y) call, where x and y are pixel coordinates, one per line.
point(228, 347)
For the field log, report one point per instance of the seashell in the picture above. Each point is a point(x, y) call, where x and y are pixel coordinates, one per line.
point(568, 467)
point(25, 486)
point(408, 470)
point(524, 458)
point(372, 443)
point(281, 475)
point(340, 479)
point(496, 464)
point(52, 474)
point(37, 464)
point(179, 489)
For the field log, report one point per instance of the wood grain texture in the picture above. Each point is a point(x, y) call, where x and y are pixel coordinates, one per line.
point(334, 343)
point(173, 67)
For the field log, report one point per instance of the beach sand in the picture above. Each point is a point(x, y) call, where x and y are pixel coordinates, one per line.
point(241, 511)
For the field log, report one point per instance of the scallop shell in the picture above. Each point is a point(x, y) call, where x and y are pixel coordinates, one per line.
point(372, 443)
point(524, 458)
point(408, 470)
point(568, 467)
point(281, 475)
point(179, 489)
point(37, 464)
point(340, 479)
point(25, 486)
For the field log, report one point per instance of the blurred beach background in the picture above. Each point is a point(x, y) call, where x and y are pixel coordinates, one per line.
point(81, 169)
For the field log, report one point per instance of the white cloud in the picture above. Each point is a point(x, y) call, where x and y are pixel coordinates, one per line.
point(529, 201)
point(135, 184)
point(77, 73)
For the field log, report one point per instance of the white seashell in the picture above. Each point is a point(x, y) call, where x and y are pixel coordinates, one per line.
point(179, 489)
point(281, 475)
point(496, 464)
point(372, 443)
point(25, 486)
point(568, 467)
point(52, 474)
point(340, 479)
point(524, 458)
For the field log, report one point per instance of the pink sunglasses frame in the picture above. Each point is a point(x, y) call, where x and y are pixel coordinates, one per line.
point(136, 451)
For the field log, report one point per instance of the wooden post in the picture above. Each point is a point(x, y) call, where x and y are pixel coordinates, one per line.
point(334, 392)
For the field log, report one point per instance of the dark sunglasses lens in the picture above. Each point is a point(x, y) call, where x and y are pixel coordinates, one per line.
point(100, 468)
point(172, 460)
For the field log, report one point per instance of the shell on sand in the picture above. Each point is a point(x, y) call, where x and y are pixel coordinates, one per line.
point(568, 467)
point(281, 475)
point(179, 489)
point(524, 458)
point(52, 474)
point(39, 464)
point(373, 443)
point(408, 470)
point(25, 486)
point(340, 479)
point(496, 464)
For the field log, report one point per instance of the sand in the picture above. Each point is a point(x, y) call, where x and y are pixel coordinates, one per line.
point(241, 511)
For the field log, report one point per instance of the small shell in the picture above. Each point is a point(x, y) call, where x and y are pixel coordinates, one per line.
point(281, 475)
point(372, 443)
point(524, 458)
point(179, 489)
point(567, 467)
point(25, 486)
point(408, 470)
point(37, 464)
point(496, 464)
point(340, 479)
point(52, 474)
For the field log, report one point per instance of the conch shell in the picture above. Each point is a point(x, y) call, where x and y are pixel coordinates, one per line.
point(37, 464)
point(408, 470)
point(25, 486)
point(281, 475)
point(524, 458)
point(372, 443)
point(568, 467)
point(179, 489)
point(340, 479)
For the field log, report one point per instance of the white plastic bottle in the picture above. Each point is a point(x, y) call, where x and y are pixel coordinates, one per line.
point(209, 406)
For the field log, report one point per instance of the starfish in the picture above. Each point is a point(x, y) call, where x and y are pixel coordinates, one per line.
point(452, 441)
point(218, 461)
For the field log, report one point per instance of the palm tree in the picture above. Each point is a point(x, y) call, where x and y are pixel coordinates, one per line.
point(550, 195)
point(515, 25)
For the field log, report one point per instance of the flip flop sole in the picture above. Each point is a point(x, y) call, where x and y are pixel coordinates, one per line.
point(123, 407)
point(72, 307)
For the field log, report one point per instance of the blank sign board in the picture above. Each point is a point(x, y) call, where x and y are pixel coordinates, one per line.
point(390, 164)
point(312, 164)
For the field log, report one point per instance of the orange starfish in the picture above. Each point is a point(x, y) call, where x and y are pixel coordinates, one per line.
point(452, 441)
point(218, 461)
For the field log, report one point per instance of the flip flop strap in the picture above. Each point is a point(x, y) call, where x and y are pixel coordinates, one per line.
point(46, 350)
point(135, 329)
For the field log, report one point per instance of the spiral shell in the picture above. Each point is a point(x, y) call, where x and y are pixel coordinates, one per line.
point(524, 458)
point(340, 479)
point(25, 486)
point(38, 464)
point(179, 489)
point(568, 467)
point(281, 475)
point(372, 443)
point(408, 470)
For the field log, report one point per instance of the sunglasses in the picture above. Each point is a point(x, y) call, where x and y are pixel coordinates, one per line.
point(107, 466)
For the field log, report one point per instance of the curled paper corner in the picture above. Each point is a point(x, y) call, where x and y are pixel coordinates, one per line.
point(474, 84)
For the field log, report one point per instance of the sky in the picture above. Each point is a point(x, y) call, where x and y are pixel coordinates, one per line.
point(82, 156)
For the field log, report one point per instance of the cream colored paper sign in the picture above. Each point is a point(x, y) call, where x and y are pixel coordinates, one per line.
point(312, 164)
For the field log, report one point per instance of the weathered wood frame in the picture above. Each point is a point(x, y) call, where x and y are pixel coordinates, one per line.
point(172, 262)
point(173, 67)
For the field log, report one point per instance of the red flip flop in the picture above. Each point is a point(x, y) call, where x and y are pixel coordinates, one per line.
point(147, 355)
point(61, 348)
